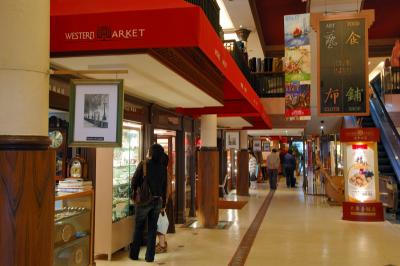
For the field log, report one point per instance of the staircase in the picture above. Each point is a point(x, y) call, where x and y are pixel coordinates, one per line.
point(384, 165)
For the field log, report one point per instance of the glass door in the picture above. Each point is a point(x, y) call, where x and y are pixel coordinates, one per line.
point(126, 159)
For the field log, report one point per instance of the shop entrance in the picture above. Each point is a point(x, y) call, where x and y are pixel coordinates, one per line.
point(167, 139)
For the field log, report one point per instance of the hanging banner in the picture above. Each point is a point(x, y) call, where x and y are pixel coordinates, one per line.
point(342, 63)
point(297, 67)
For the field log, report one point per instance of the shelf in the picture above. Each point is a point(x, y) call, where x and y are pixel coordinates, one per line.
point(70, 243)
point(72, 216)
point(74, 195)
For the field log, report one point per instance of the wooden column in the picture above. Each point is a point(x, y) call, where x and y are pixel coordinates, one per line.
point(180, 178)
point(26, 201)
point(207, 187)
point(242, 184)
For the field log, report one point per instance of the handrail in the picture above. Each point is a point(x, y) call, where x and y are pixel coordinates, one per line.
point(390, 137)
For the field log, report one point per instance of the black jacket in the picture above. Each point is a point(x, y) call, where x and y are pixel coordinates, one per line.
point(156, 174)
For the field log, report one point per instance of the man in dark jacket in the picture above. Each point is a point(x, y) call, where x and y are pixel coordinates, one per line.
point(289, 163)
point(156, 175)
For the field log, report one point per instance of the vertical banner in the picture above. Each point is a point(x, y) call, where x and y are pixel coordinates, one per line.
point(297, 67)
point(342, 63)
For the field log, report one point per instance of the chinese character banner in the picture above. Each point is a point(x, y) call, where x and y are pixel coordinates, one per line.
point(297, 67)
point(342, 67)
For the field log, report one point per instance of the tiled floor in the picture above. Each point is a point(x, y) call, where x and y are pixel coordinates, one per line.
point(296, 230)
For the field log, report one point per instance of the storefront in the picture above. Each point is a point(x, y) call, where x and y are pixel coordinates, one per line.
point(112, 226)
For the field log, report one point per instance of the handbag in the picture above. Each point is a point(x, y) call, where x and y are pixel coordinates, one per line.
point(142, 195)
point(162, 223)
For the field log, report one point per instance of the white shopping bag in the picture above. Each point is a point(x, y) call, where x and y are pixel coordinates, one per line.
point(162, 223)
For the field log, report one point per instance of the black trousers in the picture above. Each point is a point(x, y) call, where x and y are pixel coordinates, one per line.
point(149, 212)
point(290, 179)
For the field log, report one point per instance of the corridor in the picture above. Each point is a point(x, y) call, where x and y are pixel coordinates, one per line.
point(296, 230)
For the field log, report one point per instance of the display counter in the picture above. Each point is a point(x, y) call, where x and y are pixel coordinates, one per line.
point(73, 227)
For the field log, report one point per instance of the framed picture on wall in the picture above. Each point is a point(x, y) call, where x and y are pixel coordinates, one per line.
point(256, 145)
point(232, 140)
point(96, 108)
point(266, 146)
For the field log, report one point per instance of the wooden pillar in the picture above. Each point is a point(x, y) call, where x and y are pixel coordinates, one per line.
point(207, 187)
point(27, 167)
point(242, 186)
point(242, 183)
point(208, 169)
point(192, 170)
point(180, 178)
point(26, 201)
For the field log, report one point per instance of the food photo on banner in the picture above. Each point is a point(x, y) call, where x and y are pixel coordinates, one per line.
point(96, 113)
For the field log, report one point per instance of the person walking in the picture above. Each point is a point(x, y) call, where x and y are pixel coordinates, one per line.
point(252, 170)
point(162, 244)
point(289, 164)
point(149, 184)
point(273, 163)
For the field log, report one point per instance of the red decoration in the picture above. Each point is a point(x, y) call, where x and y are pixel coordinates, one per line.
point(359, 147)
point(123, 26)
point(359, 134)
point(363, 212)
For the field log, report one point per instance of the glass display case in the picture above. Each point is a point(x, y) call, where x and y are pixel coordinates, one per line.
point(73, 235)
point(126, 159)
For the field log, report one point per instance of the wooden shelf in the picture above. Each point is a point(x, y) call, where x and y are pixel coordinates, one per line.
point(74, 195)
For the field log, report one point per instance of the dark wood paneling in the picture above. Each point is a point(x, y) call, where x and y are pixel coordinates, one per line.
point(187, 124)
point(58, 101)
point(207, 189)
point(8, 142)
point(26, 207)
point(380, 47)
point(242, 183)
point(195, 67)
point(180, 178)
point(165, 119)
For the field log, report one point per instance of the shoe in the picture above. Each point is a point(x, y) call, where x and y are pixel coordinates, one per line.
point(133, 258)
point(160, 249)
point(149, 260)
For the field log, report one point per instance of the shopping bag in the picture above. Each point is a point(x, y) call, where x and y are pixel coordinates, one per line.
point(162, 223)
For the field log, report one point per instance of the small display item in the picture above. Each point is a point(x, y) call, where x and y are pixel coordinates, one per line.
point(56, 138)
point(77, 168)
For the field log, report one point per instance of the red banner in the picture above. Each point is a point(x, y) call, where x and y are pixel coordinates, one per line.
point(359, 134)
point(363, 212)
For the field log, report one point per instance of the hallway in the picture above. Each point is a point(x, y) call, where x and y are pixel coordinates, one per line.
point(296, 230)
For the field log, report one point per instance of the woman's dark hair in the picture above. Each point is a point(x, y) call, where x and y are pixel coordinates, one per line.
point(156, 152)
point(274, 150)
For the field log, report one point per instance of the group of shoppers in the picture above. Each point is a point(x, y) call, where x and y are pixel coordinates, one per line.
point(150, 187)
point(275, 161)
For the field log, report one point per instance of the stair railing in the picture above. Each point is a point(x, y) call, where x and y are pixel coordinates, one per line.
point(389, 135)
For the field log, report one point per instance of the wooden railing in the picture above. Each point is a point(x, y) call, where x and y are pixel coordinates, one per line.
point(211, 9)
point(265, 84)
point(270, 84)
